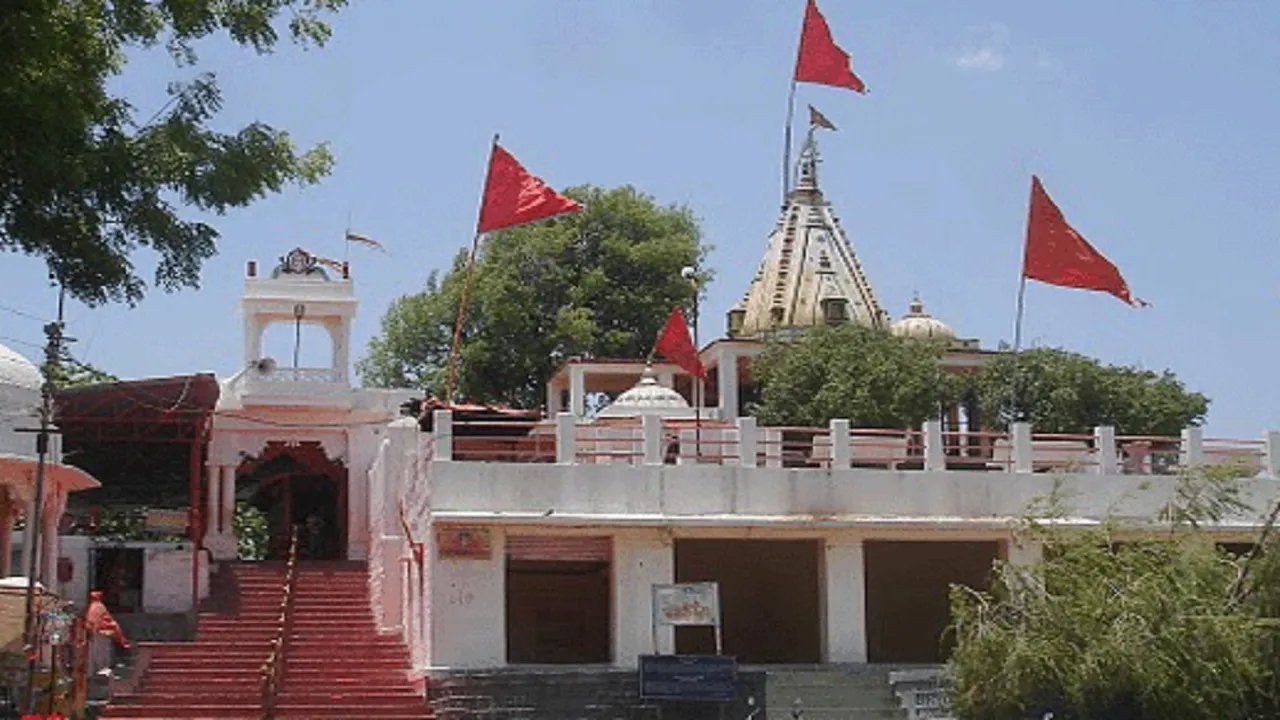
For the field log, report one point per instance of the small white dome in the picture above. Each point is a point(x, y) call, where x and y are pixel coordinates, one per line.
point(920, 325)
point(647, 397)
point(17, 371)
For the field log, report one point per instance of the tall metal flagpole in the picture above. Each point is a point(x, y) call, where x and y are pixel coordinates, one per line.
point(1017, 324)
point(786, 149)
point(53, 360)
point(691, 274)
point(454, 348)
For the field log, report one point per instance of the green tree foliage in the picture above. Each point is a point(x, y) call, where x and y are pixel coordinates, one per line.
point(1065, 392)
point(599, 283)
point(1167, 627)
point(86, 178)
point(253, 532)
point(865, 375)
point(75, 373)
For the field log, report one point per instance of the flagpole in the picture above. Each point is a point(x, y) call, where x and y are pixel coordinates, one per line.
point(466, 289)
point(786, 149)
point(1017, 320)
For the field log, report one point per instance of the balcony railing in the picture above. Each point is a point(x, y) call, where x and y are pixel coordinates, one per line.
point(297, 375)
point(657, 441)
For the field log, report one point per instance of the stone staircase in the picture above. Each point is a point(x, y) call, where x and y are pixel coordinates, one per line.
point(831, 693)
point(336, 664)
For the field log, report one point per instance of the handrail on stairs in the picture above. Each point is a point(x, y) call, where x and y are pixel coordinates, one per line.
point(273, 667)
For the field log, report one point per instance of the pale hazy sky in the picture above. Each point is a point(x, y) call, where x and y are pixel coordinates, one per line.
point(1153, 125)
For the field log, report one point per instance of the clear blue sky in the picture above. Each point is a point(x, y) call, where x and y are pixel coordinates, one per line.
point(1153, 125)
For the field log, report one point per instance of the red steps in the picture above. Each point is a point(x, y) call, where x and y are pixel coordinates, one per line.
point(336, 664)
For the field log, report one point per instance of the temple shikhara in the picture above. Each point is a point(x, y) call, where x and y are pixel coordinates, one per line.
point(419, 553)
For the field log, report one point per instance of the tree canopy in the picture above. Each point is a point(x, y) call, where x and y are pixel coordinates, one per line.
point(87, 178)
point(599, 283)
point(864, 375)
point(1166, 626)
point(1066, 392)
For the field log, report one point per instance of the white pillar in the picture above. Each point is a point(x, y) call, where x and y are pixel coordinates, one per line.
point(772, 447)
point(840, 455)
point(1023, 450)
point(667, 378)
point(442, 432)
point(228, 501)
point(1104, 443)
point(651, 433)
point(1024, 552)
point(213, 500)
point(845, 602)
point(577, 390)
point(935, 456)
point(566, 443)
point(1272, 440)
point(747, 448)
point(553, 401)
point(727, 383)
point(1192, 447)
point(640, 561)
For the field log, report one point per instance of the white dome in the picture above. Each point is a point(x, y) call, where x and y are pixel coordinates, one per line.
point(920, 325)
point(17, 371)
point(648, 397)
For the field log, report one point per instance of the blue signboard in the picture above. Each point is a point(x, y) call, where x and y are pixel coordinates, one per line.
point(688, 678)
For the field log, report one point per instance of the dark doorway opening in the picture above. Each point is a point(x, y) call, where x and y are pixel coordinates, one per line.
point(908, 595)
point(118, 573)
point(558, 600)
point(300, 491)
point(769, 607)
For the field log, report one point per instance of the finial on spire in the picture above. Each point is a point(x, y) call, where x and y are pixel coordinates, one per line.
point(807, 170)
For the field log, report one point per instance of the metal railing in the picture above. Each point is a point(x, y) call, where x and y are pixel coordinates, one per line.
point(274, 665)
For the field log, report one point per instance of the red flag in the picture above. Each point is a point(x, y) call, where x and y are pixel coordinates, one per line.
point(1058, 255)
point(677, 346)
point(820, 60)
point(513, 197)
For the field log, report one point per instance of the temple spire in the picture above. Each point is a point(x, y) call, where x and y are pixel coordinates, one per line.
point(809, 275)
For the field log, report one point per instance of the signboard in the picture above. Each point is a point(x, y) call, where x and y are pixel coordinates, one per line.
point(688, 678)
point(463, 543)
point(166, 521)
point(686, 604)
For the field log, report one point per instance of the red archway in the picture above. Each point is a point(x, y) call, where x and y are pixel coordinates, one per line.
point(294, 481)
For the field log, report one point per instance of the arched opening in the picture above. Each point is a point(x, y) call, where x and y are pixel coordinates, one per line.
point(304, 344)
point(300, 490)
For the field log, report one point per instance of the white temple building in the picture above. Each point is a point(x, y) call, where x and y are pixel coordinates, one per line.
point(498, 538)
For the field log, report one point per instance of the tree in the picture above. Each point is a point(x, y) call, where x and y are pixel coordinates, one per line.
point(599, 283)
point(1167, 626)
point(1065, 392)
point(86, 178)
point(865, 375)
point(74, 373)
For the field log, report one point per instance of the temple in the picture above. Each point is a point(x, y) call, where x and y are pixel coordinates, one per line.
point(459, 540)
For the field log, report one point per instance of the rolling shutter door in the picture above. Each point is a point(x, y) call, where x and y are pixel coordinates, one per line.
point(561, 548)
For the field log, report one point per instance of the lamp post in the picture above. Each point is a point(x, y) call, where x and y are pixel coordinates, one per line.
point(690, 274)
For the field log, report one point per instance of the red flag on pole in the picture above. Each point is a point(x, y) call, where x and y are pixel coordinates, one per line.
point(512, 196)
point(1058, 255)
point(676, 345)
point(820, 60)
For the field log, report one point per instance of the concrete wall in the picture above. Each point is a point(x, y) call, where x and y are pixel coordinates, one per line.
point(719, 495)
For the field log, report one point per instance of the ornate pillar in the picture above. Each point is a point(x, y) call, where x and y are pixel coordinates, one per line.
point(48, 571)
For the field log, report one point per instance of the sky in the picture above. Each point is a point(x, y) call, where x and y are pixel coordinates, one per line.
point(1154, 125)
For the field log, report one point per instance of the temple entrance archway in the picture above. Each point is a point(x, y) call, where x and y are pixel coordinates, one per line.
point(299, 489)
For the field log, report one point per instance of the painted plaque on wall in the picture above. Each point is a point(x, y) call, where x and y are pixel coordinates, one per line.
point(463, 543)
point(687, 604)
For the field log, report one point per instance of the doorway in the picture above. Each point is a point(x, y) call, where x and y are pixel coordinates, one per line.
point(118, 571)
point(558, 600)
point(300, 491)
point(909, 595)
point(769, 607)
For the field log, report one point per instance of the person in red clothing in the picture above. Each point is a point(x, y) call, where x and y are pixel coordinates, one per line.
point(103, 631)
